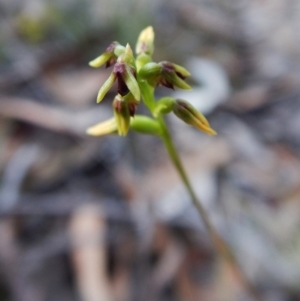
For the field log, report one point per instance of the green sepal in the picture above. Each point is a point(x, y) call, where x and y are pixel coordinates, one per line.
point(100, 60)
point(106, 87)
point(131, 83)
point(181, 70)
point(145, 125)
point(177, 81)
point(127, 56)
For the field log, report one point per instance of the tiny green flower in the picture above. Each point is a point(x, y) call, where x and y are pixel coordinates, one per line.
point(124, 72)
point(186, 112)
point(109, 57)
point(166, 74)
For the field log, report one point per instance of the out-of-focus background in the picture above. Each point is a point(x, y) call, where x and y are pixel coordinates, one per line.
point(108, 219)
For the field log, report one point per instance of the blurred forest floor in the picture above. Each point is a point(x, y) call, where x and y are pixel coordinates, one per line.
point(108, 219)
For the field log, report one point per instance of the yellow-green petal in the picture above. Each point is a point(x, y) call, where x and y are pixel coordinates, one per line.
point(103, 128)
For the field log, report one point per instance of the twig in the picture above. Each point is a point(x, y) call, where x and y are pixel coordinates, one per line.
point(87, 232)
point(53, 118)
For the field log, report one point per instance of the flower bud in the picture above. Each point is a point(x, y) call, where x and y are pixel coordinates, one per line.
point(122, 115)
point(145, 43)
point(104, 128)
point(186, 112)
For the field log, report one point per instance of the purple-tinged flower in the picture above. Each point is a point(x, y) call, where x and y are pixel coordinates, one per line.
point(166, 74)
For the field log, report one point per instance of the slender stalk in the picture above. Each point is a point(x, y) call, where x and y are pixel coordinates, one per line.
point(167, 139)
point(221, 246)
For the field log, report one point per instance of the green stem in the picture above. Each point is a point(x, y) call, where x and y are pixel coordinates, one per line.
point(168, 142)
point(167, 139)
point(221, 246)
